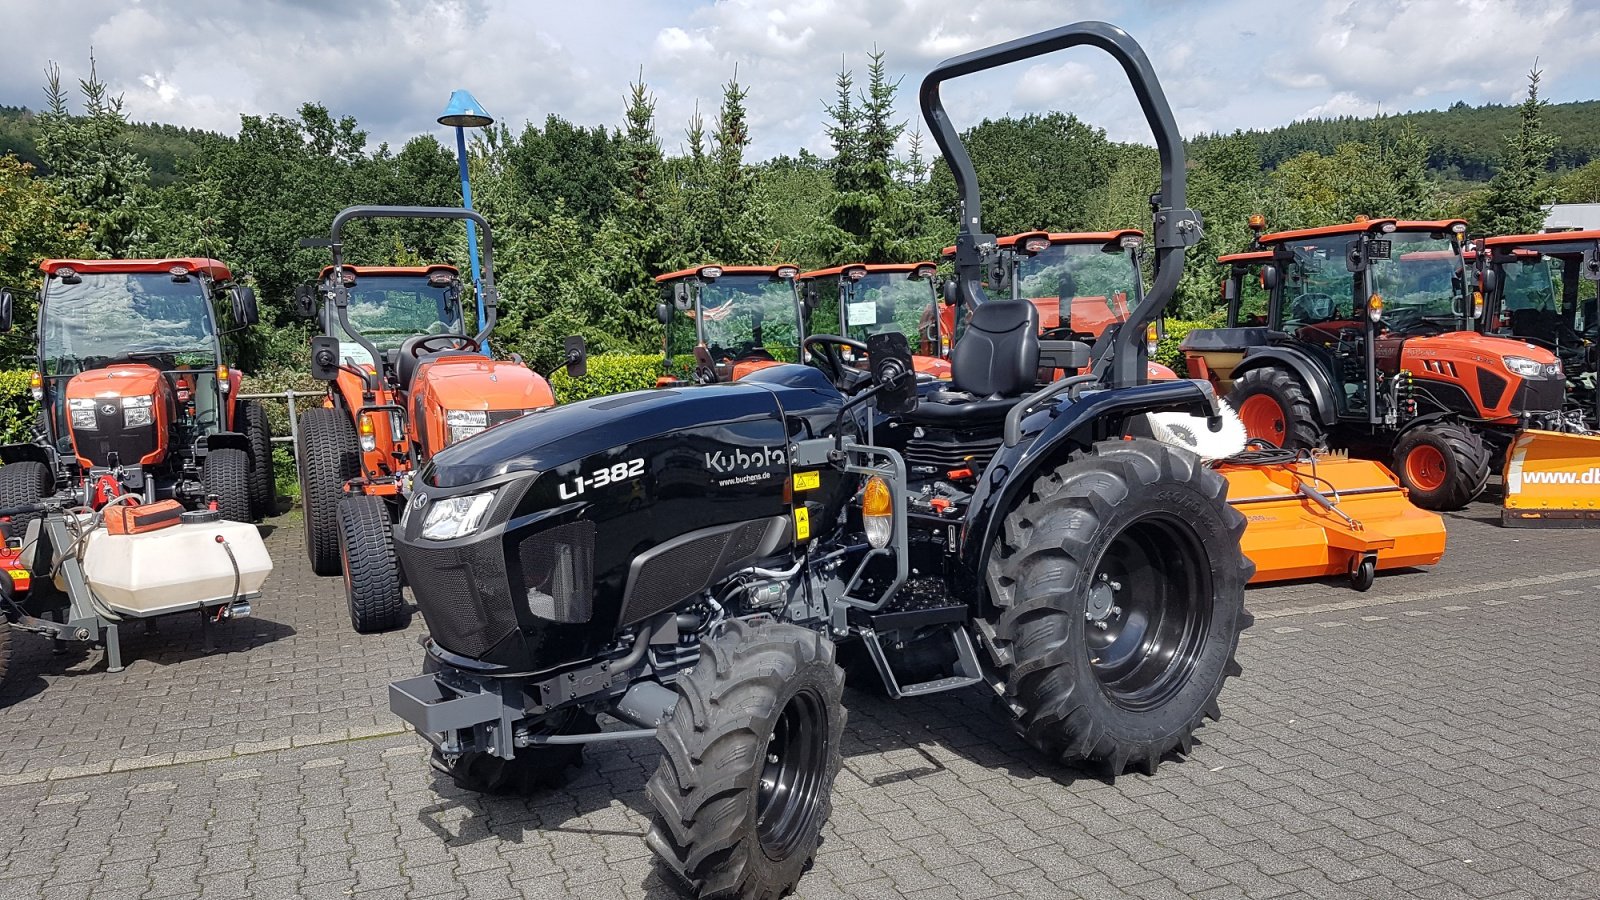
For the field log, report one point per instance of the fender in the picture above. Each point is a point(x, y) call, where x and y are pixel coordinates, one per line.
point(1072, 425)
point(1312, 375)
point(227, 440)
point(10, 453)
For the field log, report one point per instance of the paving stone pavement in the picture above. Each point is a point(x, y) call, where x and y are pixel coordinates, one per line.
point(1434, 737)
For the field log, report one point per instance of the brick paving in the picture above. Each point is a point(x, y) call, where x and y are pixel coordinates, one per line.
point(1434, 737)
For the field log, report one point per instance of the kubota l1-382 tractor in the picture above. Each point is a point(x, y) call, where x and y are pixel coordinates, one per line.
point(137, 396)
point(1366, 343)
point(687, 559)
point(404, 382)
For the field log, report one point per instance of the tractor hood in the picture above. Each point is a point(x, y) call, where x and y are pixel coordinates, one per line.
point(475, 382)
point(121, 380)
point(745, 416)
point(1470, 344)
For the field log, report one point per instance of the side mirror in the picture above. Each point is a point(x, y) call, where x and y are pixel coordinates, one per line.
point(1355, 255)
point(1230, 290)
point(6, 310)
point(892, 372)
point(950, 291)
point(663, 312)
point(680, 296)
point(577, 357)
point(1490, 279)
point(325, 357)
point(305, 300)
point(809, 297)
point(1269, 277)
point(245, 312)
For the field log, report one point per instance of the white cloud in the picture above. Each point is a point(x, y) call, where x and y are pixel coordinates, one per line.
point(392, 63)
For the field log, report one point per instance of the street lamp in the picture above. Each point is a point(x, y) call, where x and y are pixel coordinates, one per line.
point(463, 112)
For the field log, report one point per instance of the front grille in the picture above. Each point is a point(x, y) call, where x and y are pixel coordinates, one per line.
point(497, 416)
point(675, 573)
point(945, 451)
point(129, 444)
point(462, 594)
point(1539, 396)
point(557, 572)
point(1491, 387)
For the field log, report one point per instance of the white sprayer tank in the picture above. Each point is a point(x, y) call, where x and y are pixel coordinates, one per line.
point(176, 568)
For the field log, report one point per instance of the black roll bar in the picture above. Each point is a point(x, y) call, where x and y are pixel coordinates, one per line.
point(1117, 359)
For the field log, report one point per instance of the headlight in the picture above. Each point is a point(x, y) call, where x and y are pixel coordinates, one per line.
point(455, 517)
point(82, 414)
point(465, 423)
point(137, 411)
point(1527, 368)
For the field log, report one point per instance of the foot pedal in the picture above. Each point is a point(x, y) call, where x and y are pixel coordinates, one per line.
point(966, 664)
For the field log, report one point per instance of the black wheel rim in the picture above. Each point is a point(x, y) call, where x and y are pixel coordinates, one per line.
point(1147, 611)
point(789, 794)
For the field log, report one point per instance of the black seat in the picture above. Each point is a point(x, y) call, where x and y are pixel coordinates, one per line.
point(991, 367)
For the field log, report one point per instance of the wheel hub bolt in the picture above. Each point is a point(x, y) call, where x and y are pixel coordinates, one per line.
point(1101, 624)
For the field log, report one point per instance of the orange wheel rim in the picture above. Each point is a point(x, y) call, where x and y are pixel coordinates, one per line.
point(1264, 418)
point(1425, 467)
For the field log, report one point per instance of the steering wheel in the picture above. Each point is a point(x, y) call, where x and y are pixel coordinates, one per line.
point(1317, 307)
point(828, 347)
point(414, 347)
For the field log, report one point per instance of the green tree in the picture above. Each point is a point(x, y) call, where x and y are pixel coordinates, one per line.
point(91, 161)
point(1037, 172)
point(1515, 201)
point(733, 228)
point(34, 224)
point(635, 241)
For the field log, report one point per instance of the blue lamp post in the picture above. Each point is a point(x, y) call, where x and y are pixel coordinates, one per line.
point(465, 112)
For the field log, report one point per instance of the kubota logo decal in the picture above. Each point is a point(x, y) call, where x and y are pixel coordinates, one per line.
point(724, 462)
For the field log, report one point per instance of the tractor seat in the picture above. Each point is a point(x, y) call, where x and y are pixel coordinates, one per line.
point(407, 365)
point(994, 364)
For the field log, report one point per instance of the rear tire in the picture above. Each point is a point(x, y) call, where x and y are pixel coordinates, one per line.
point(263, 481)
point(530, 769)
point(1444, 465)
point(1275, 407)
point(329, 457)
point(225, 473)
point(22, 484)
point(371, 569)
point(5, 648)
point(749, 756)
point(1135, 524)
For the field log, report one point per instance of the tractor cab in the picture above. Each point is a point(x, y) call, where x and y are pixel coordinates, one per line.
point(725, 322)
point(134, 387)
point(874, 298)
point(389, 305)
point(1539, 288)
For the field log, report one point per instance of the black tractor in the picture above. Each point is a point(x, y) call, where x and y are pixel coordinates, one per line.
point(687, 561)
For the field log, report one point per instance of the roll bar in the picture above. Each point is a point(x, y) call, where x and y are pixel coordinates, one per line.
point(1116, 359)
point(341, 294)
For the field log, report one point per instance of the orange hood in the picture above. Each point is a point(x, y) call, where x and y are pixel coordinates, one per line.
point(474, 382)
point(1489, 348)
point(122, 380)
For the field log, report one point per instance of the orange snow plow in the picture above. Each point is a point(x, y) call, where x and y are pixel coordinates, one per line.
point(1316, 516)
point(1552, 480)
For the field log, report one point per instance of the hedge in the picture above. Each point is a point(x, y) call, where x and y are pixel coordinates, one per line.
point(609, 374)
point(18, 412)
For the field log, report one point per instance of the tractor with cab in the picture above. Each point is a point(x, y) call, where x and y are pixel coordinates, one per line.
point(405, 381)
point(687, 560)
point(864, 299)
point(725, 322)
point(1367, 344)
point(136, 395)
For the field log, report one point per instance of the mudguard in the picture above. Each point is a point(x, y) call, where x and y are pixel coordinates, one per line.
point(10, 453)
point(1067, 426)
point(1312, 375)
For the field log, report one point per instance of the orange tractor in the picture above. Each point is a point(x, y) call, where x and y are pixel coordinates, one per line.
point(136, 396)
point(404, 382)
point(1533, 287)
point(870, 298)
point(1081, 282)
point(724, 322)
point(1365, 342)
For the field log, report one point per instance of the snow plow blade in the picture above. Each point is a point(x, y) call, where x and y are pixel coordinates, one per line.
point(1314, 520)
point(1552, 481)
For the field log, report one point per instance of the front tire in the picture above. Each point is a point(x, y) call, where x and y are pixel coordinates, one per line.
point(24, 483)
point(1120, 585)
point(328, 457)
point(1275, 407)
point(1444, 465)
point(371, 568)
point(749, 756)
point(225, 474)
point(263, 483)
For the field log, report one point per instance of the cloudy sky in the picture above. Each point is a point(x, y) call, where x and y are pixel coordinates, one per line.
point(392, 63)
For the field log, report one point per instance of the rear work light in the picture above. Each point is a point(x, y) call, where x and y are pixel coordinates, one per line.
point(1036, 244)
point(787, 272)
